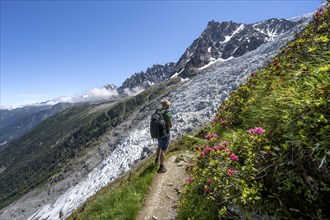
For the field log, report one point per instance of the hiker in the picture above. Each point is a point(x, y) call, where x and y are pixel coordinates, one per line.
point(164, 141)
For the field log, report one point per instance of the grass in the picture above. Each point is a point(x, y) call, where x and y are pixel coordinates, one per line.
point(121, 202)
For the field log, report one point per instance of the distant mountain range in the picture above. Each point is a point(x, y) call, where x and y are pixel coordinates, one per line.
point(18, 121)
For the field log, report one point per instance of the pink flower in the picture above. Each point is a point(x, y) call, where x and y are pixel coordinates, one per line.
point(189, 167)
point(216, 148)
point(209, 136)
point(189, 179)
point(319, 12)
point(202, 154)
point(216, 119)
point(225, 143)
point(234, 157)
point(223, 123)
point(208, 149)
point(257, 130)
point(227, 151)
point(230, 172)
point(207, 190)
point(197, 147)
point(209, 181)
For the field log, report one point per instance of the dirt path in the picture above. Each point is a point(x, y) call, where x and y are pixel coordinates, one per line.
point(162, 200)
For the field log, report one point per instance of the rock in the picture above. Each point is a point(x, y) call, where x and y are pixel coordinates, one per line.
point(180, 164)
point(170, 197)
point(178, 159)
point(178, 191)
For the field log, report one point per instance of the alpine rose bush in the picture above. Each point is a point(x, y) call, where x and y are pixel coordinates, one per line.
point(224, 173)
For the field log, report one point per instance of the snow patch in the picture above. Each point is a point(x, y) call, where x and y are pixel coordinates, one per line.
point(175, 75)
point(240, 28)
point(298, 18)
point(213, 61)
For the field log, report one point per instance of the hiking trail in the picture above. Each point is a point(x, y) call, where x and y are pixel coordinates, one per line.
point(162, 199)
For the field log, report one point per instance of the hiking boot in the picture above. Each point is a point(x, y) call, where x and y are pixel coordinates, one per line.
point(162, 169)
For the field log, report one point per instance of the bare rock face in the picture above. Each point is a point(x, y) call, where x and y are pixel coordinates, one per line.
point(227, 40)
point(142, 80)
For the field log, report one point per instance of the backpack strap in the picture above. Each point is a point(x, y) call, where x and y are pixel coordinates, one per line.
point(165, 111)
point(162, 111)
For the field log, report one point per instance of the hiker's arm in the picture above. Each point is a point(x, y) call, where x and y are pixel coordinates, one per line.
point(170, 121)
point(170, 124)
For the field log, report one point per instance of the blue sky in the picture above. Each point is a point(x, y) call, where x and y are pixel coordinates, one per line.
point(66, 48)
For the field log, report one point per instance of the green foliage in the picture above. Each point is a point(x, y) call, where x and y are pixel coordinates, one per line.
point(185, 143)
point(283, 172)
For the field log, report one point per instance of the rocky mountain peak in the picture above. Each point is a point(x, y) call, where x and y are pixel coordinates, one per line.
point(111, 87)
point(141, 80)
point(273, 27)
point(224, 40)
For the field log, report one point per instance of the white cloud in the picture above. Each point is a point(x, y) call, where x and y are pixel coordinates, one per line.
point(101, 93)
point(134, 91)
point(94, 94)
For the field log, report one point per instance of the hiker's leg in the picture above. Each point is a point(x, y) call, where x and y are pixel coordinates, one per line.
point(163, 145)
point(157, 155)
point(162, 167)
point(162, 157)
point(157, 152)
